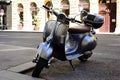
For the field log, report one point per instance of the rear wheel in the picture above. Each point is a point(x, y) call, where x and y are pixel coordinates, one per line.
point(85, 57)
point(39, 67)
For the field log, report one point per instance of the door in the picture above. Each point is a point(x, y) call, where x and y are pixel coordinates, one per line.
point(108, 11)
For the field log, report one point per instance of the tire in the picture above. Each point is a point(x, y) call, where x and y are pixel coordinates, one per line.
point(39, 67)
point(85, 57)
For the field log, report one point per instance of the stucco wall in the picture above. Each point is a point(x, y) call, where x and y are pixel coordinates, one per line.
point(74, 9)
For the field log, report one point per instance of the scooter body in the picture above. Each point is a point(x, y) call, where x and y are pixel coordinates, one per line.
point(63, 43)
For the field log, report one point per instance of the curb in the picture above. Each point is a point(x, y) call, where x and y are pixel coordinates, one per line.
point(22, 68)
point(19, 31)
point(14, 72)
point(8, 75)
point(24, 31)
point(118, 34)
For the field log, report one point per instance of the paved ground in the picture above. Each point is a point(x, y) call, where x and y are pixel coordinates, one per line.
point(16, 53)
point(18, 49)
point(103, 65)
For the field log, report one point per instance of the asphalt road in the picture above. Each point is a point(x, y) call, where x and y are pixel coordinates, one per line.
point(103, 65)
point(17, 48)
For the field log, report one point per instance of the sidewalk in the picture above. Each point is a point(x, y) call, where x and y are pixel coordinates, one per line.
point(8, 75)
point(13, 73)
point(15, 59)
point(11, 66)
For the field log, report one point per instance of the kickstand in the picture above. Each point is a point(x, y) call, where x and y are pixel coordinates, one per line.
point(70, 61)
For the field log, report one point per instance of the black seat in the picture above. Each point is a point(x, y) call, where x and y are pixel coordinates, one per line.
point(79, 29)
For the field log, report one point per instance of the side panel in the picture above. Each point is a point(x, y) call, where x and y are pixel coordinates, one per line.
point(77, 44)
point(72, 46)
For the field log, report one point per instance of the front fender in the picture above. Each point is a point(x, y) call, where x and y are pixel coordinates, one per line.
point(45, 50)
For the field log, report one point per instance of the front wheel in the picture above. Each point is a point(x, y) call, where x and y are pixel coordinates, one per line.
point(39, 67)
point(85, 56)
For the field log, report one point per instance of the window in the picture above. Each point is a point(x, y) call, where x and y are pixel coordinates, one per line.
point(107, 1)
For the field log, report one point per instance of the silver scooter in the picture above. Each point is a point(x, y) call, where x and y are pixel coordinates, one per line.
point(65, 43)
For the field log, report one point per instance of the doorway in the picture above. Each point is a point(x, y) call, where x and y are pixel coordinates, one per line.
point(108, 11)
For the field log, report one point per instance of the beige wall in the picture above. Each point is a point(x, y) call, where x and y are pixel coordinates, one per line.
point(94, 7)
point(27, 14)
point(117, 30)
point(74, 9)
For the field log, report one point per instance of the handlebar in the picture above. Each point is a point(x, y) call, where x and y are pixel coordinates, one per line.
point(46, 8)
point(57, 14)
point(50, 10)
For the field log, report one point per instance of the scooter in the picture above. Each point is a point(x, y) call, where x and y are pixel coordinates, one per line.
point(65, 43)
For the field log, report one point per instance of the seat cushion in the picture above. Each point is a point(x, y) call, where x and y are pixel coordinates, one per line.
point(79, 29)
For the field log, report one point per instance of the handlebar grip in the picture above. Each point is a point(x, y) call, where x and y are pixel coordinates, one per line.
point(46, 7)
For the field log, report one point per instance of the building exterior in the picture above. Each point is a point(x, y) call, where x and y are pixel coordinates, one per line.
point(28, 14)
